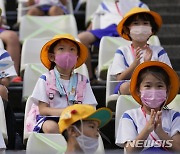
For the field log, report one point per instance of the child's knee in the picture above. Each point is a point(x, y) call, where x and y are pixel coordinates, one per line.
point(124, 88)
point(4, 92)
point(50, 127)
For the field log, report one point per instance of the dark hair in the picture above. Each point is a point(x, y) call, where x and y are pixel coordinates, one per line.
point(157, 72)
point(51, 50)
point(65, 133)
point(143, 16)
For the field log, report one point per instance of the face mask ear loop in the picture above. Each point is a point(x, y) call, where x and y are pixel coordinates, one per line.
point(82, 131)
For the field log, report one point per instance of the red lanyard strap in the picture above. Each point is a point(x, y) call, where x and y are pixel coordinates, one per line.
point(116, 3)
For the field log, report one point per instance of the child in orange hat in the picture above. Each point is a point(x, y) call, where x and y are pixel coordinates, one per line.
point(152, 127)
point(137, 26)
point(60, 86)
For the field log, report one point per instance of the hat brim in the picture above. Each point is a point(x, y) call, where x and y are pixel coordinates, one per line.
point(174, 80)
point(102, 115)
point(82, 57)
point(134, 11)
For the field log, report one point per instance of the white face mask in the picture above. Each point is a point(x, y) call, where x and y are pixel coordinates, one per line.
point(89, 145)
point(140, 33)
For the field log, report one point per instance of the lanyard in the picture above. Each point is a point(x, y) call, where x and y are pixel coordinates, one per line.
point(66, 96)
point(144, 113)
point(116, 3)
point(132, 50)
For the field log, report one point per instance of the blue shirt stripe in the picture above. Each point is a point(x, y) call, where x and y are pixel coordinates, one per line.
point(4, 55)
point(104, 7)
point(125, 115)
point(177, 114)
point(43, 77)
point(140, 4)
point(120, 52)
point(161, 52)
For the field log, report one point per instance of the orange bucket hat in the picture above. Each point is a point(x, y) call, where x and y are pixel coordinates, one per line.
point(174, 80)
point(74, 113)
point(83, 53)
point(137, 10)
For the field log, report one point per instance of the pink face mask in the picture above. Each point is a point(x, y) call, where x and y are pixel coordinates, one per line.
point(153, 98)
point(140, 33)
point(66, 60)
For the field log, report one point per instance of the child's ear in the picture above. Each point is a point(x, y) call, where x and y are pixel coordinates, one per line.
point(51, 57)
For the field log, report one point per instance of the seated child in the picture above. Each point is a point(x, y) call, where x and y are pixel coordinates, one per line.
point(138, 25)
point(152, 127)
point(60, 86)
point(80, 124)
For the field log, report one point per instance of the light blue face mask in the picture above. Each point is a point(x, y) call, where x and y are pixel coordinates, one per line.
point(89, 145)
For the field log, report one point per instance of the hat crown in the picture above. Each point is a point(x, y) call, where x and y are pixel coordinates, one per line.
point(136, 10)
point(68, 36)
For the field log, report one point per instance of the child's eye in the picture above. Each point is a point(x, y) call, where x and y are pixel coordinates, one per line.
point(160, 86)
point(61, 48)
point(135, 23)
point(146, 23)
point(91, 126)
point(147, 85)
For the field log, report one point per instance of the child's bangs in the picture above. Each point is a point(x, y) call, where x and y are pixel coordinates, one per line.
point(142, 16)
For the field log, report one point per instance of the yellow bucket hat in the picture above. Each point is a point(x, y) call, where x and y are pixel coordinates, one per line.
point(174, 80)
point(77, 112)
point(134, 11)
point(83, 53)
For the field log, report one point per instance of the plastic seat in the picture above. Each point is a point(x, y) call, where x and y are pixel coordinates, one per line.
point(52, 143)
point(91, 7)
point(175, 105)
point(107, 49)
point(46, 26)
point(3, 121)
point(45, 143)
point(124, 103)
point(30, 52)
point(26, 134)
point(31, 74)
point(22, 9)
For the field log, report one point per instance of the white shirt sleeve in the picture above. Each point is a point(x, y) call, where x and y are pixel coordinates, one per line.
point(175, 127)
point(89, 97)
point(118, 65)
point(10, 72)
point(126, 130)
point(39, 92)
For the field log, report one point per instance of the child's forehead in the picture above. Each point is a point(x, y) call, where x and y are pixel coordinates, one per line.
point(94, 122)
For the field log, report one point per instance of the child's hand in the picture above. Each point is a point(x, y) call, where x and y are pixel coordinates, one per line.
point(150, 125)
point(148, 53)
point(158, 123)
point(138, 55)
